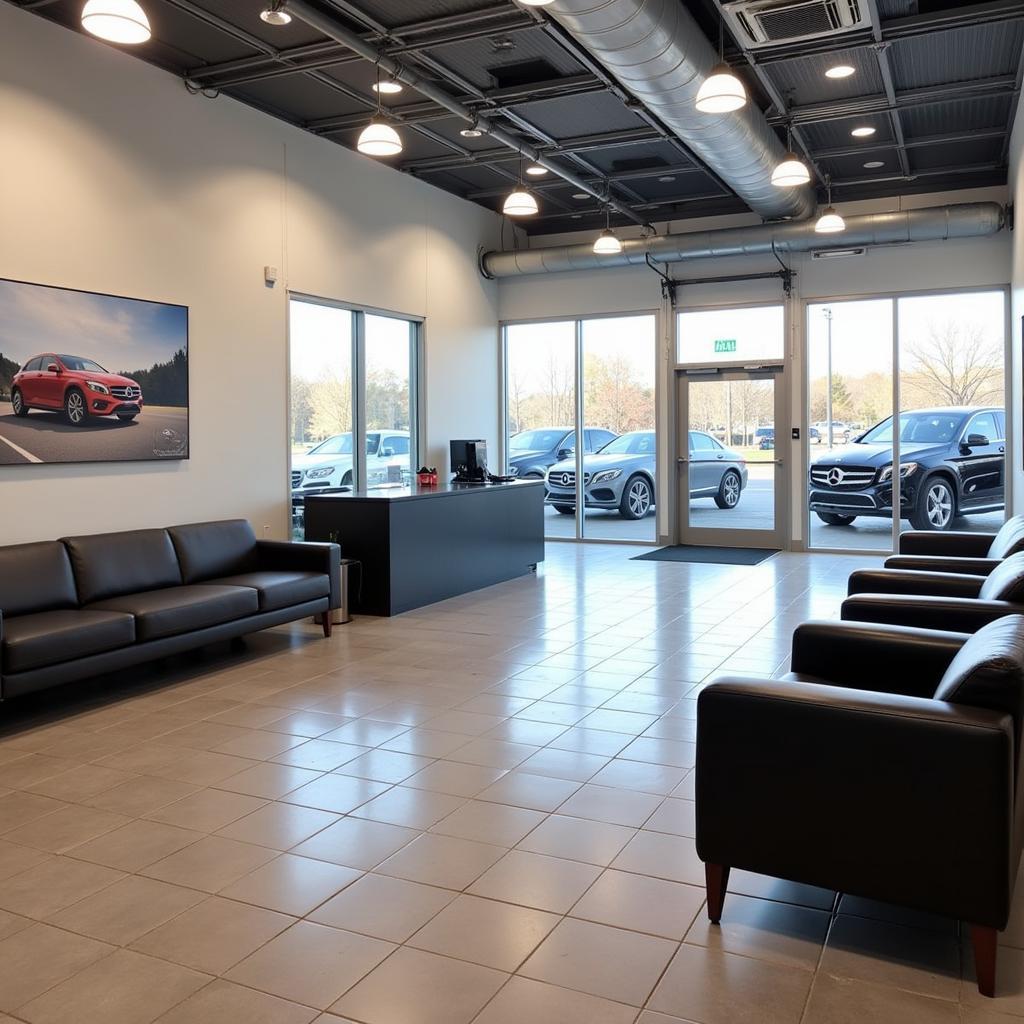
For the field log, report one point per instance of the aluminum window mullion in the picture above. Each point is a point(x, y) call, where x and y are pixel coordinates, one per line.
point(580, 439)
point(359, 397)
point(897, 481)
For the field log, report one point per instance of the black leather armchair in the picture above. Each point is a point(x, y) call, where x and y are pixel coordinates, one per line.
point(865, 768)
point(973, 553)
point(936, 600)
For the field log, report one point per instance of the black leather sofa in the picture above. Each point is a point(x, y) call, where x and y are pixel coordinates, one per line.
point(974, 553)
point(886, 765)
point(80, 606)
point(936, 600)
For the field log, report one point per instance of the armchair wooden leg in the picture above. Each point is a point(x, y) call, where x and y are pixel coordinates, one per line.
point(327, 623)
point(716, 878)
point(985, 941)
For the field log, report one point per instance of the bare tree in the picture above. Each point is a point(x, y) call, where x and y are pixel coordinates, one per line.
point(956, 364)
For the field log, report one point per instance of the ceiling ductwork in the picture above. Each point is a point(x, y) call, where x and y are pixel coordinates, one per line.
point(656, 50)
point(932, 224)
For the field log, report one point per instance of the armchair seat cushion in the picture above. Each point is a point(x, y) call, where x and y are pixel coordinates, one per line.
point(281, 589)
point(46, 638)
point(174, 610)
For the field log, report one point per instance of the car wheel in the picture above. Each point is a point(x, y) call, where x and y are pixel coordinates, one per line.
point(834, 519)
point(74, 408)
point(18, 403)
point(128, 419)
point(728, 495)
point(637, 498)
point(935, 508)
point(346, 480)
point(566, 510)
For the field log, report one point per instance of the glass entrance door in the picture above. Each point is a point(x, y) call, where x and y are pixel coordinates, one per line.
point(731, 474)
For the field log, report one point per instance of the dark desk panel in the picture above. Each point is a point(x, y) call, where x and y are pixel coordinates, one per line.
point(418, 545)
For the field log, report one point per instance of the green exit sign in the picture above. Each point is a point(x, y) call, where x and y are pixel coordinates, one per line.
point(725, 345)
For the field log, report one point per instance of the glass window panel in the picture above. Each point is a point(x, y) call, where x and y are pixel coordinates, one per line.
point(390, 439)
point(721, 337)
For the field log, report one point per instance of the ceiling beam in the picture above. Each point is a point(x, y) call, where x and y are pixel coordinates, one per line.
point(951, 138)
point(888, 84)
point(546, 185)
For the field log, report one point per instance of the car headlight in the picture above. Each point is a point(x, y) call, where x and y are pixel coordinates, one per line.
point(93, 385)
point(319, 474)
point(606, 474)
point(906, 469)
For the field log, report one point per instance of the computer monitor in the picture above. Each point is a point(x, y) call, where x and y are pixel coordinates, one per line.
point(469, 459)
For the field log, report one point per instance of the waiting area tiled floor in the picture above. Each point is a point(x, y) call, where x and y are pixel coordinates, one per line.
point(479, 812)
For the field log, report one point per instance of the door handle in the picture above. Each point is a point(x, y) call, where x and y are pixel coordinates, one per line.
point(681, 460)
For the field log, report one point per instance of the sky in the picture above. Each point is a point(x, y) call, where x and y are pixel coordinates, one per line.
point(119, 334)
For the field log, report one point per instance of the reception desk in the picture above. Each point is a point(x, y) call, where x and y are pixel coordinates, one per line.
point(418, 545)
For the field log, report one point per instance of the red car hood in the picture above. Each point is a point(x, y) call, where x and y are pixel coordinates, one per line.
point(112, 380)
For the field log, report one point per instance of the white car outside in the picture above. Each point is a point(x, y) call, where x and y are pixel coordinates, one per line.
point(331, 463)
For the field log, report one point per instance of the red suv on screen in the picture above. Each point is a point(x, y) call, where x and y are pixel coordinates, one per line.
point(78, 386)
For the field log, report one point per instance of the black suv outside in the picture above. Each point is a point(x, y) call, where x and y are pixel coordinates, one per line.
point(532, 452)
point(952, 463)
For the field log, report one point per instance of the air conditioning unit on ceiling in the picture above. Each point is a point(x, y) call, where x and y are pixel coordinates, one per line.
point(771, 22)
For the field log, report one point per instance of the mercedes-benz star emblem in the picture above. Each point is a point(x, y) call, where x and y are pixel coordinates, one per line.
point(835, 477)
point(566, 479)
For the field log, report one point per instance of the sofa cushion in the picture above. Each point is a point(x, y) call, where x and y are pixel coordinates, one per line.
point(110, 564)
point(1006, 581)
point(988, 671)
point(281, 589)
point(35, 578)
point(46, 638)
point(1009, 540)
point(175, 610)
point(208, 550)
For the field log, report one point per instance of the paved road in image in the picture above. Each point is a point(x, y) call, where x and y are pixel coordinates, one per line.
point(48, 437)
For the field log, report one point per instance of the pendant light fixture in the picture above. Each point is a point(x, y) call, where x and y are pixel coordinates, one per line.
point(607, 243)
point(388, 86)
point(117, 21)
point(722, 92)
point(536, 170)
point(275, 14)
point(519, 202)
point(535, 3)
point(378, 138)
point(829, 223)
point(792, 171)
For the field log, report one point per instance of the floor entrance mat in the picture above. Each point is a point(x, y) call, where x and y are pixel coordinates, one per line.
point(699, 553)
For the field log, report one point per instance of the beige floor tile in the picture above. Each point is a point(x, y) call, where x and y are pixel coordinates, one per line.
point(608, 962)
point(466, 722)
point(426, 742)
point(81, 782)
point(279, 826)
point(14, 859)
point(210, 864)
point(384, 907)
point(489, 823)
point(291, 885)
point(494, 753)
point(214, 935)
point(593, 842)
point(34, 768)
point(357, 843)
point(207, 810)
point(564, 764)
point(465, 780)
point(259, 745)
point(127, 909)
point(485, 932)
point(442, 861)
point(11, 924)
point(766, 888)
point(384, 766)
point(123, 988)
point(640, 776)
point(662, 856)
point(524, 1000)
point(66, 828)
point(413, 808)
point(140, 795)
point(676, 817)
point(311, 963)
point(224, 1003)
point(591, 741)
point(270, 781)
point(320, 755)
point(203, 767)
point(842, 1001)
point(522, 789)
point(778, 932)
point(615, 806)
point(661, 751)
point(39, 957)
point(642, 904)
point(534, 880)
point(54, 884)
point(337, 793)
point(136, 845)
point(18, 809)
point(1009, 997)
point(414, 986)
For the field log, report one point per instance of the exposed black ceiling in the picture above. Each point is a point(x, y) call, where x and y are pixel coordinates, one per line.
point(937, 79)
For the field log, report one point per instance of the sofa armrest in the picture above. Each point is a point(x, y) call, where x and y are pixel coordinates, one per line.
point(303, 556)
point(862, 792)
point(955, 543)
point(958, 614)
point(878, 657)
point(909, 581)
point(943, 563)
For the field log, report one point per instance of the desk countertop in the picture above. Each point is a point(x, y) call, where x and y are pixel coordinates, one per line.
point(413, 492)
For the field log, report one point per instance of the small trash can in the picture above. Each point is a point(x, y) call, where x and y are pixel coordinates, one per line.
point(342, 614)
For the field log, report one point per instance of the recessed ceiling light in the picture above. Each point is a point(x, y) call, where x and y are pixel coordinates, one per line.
point(581, 195)
point(863, 131)
point(536, 170)
point(575, 216)
point(667, 177)
point(471, 133)
point(872, 165)
point(840, 71)
point(273, 16)
point(387, 85)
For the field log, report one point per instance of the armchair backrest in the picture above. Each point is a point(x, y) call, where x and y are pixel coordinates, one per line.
point(209, 550)
point(1006, 582)
point(35, 578)
point(111, 564)
point(1009, 540)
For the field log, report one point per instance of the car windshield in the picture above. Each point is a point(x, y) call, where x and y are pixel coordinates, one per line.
point(535, 440)
point(80, 363)
point(338, 445)
point(639, 443)
point(917, 428)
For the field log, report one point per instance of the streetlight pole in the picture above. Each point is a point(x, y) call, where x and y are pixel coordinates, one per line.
point(828, 378)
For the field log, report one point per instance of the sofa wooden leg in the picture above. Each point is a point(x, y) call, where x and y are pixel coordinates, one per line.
point(985, 941)
point(327, 623)
point(716, 878)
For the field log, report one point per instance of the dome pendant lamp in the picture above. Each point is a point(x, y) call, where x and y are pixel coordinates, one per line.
point(607, 243)
point(378, 138)
point(792, 171)
point(829, 223)
point(117, 21)
point(721, 92)
point(519, 202)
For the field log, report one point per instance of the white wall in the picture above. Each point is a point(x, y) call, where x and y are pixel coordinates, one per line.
point(939, 265)
point(114, 179)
